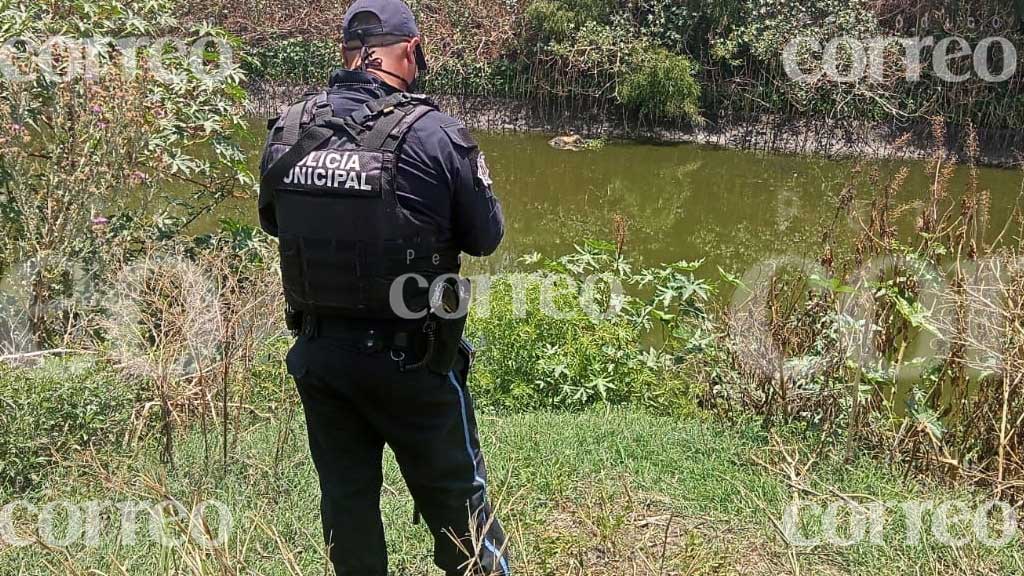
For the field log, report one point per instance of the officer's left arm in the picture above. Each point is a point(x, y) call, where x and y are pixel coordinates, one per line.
point(478, 223)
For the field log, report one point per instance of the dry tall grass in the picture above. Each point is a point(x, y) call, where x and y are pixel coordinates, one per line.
point(192, 327)
point(906, 343)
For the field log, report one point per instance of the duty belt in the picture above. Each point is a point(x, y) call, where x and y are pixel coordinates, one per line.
point(370, 336)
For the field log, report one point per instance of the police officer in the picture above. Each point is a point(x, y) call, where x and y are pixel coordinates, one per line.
point(374, 194)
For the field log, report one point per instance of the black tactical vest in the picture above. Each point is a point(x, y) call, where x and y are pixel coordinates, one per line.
point(344, 239)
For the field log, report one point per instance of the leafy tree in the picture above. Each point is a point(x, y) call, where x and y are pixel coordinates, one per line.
point(92, 133)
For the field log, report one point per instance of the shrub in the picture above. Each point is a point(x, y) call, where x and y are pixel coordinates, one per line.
point(58, 408)
point(296, 60)
point(551, 20)
point(661, 85)
point(532, 359)
point(684, 27)
point(73, 148)
point(471, 78)
point(590, 50)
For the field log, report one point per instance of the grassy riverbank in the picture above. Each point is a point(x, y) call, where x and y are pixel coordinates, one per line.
point(604, 492)
point(142, 362)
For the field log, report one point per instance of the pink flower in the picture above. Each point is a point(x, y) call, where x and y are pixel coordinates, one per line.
point(97, 109)
point(100, 221)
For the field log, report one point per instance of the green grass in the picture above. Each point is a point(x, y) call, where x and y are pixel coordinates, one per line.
point(605, 492)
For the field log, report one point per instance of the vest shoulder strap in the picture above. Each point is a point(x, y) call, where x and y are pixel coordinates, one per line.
point(383, 106)
point(314, 108)
point(390, 129)
point(322, 109)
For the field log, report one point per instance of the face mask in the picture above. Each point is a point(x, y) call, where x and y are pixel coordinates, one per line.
point(408, 86)
point(413, 86)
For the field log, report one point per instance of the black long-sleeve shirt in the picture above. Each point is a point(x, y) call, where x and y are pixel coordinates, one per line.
point(441, 175)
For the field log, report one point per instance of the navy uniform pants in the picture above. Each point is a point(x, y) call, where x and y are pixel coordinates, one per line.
point(357, 399)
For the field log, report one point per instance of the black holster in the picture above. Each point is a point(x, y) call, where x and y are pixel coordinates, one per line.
point(293, 320)
point(446, 345)
point(446, 322)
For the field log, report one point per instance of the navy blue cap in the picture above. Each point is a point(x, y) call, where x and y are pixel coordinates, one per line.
point(394, 23)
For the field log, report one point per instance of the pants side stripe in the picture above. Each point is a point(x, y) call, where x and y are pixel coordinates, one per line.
point(476, 473)
point(465, 428)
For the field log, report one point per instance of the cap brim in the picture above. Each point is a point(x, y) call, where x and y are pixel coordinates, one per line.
point(421, 58)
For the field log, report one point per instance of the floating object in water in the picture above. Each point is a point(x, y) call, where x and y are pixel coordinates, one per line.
point(570, 142)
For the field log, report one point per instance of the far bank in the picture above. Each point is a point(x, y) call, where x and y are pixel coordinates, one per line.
point(907, 139)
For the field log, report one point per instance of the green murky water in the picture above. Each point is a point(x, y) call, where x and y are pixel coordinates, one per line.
point(681, 202)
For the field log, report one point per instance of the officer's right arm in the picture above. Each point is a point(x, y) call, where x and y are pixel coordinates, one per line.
point(267, 210)
point(477, 219)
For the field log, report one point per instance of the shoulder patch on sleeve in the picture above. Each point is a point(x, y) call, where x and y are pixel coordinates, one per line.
point(482, 171)
point(459, 134)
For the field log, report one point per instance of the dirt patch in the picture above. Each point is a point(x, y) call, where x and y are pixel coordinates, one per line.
point(624, 536)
